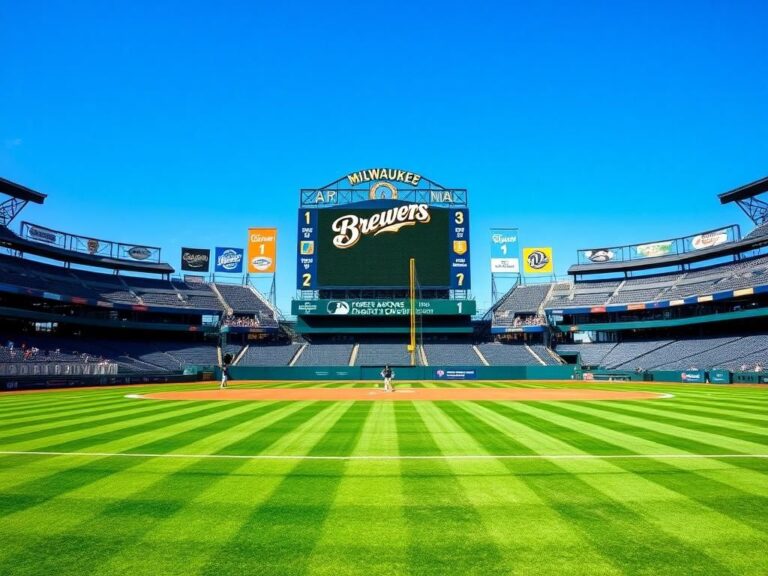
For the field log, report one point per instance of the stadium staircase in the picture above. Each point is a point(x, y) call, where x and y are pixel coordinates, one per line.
point(532, 353)
point(227, 308)
point(240, 355)
point(555, 356)
point(480, 355)
point(353, 357)
point(298, 354)
point(422, 355)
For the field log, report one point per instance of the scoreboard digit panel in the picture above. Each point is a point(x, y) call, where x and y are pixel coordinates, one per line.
point(371, 245)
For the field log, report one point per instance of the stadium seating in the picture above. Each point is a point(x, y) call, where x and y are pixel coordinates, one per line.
point(521, 300)
point(498, 354)
point(325, 355)
point(591, 354)
point(451, 355)
point(246, 300)
point(379, 354)
point(269, 355)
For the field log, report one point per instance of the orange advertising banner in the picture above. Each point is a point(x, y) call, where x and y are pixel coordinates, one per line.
point(262, 250)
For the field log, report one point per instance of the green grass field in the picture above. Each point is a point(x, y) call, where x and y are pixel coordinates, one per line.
point(624, 493)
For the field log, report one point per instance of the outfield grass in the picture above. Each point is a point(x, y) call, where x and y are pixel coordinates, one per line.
point(520, 511)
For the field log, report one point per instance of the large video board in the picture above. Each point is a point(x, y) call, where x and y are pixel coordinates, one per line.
point(370, 244)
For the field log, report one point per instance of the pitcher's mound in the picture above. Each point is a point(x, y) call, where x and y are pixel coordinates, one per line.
point(429, 394)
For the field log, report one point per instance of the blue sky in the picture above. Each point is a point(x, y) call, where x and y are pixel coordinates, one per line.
point(581, 123)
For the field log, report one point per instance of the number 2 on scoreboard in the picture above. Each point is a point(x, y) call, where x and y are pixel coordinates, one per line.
point(307, 283)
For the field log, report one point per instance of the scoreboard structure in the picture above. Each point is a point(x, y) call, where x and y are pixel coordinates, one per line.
point(362, 230)
point(357, 235)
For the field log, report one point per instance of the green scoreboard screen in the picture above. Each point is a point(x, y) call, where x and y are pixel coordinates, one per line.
point(370, 244)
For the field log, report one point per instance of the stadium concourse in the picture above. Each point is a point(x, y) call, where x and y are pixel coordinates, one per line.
point(74, 310)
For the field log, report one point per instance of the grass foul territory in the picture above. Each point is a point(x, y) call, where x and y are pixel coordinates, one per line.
point(669, 483)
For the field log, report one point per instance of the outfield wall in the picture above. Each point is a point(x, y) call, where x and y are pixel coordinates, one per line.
point(403, 373)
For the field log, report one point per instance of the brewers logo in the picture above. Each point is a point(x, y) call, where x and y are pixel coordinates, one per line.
point(537, 260)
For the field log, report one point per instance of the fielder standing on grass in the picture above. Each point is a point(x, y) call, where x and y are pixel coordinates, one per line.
point(224, 376)
point(388, 374)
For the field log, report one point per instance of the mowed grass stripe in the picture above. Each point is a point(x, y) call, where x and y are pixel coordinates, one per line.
point(724, 416)
point(51, 477)
point(217, 501)
point(365, 530)
point(642, 526)
point(532, 537)
point(135, 500)
point(57, 426)
point(692, 434)
point(280, 534)
point(739, 493)
point(35, 410)
point(651, 412)
point(446, 534)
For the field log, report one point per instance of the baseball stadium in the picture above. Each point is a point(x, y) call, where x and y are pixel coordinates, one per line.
point(156, 420)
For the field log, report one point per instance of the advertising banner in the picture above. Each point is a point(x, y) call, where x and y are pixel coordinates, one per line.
point(707, 240)
point(195, 259)
point(538, 260)
point(453, 374)
point(91, 246)
point(138, 253)
point(459, 250)
point(382, 307)
point(262, 250)
point(600, 255)
point(45, 235)
point(505, 251)
point(654, 249)
point(229, 260)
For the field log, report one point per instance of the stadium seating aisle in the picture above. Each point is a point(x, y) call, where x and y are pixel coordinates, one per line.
point(498, 354)
point(270, 355)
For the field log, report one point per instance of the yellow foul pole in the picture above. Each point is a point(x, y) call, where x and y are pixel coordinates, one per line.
point(412, 345)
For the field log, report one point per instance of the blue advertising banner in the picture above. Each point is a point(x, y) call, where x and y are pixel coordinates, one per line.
point(505, 251)
point(306, 254)
point(459, 250)
point(229, 260)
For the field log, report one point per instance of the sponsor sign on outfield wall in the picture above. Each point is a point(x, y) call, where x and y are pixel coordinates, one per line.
point(195, 259)
point(505, 251)
point(538, 260)
point(262, 250)
point(229, 260)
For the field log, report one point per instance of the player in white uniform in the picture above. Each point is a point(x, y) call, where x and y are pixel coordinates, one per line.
point(388, 374)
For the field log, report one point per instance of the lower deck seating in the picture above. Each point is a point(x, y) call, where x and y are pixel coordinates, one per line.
point(325, 355)
point(451, 355)
point(498, 354)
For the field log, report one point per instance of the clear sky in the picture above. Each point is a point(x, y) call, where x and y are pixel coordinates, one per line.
point(581, 123)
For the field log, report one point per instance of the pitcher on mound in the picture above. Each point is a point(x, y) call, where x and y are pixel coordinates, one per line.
point(388, 374)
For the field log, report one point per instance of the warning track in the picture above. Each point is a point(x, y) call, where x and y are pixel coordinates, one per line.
point(408, 394)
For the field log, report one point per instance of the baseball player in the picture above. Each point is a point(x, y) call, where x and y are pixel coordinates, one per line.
point(224, 376)
point(388, 374)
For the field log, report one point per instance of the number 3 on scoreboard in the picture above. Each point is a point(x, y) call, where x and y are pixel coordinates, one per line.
point(458, 217)
point(460, 279)
point(307, 283)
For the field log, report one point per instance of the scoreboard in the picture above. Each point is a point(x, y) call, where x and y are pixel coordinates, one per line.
point(369, 245)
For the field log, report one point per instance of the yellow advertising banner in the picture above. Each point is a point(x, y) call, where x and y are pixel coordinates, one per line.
point(262, 250)
point(537, 260)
